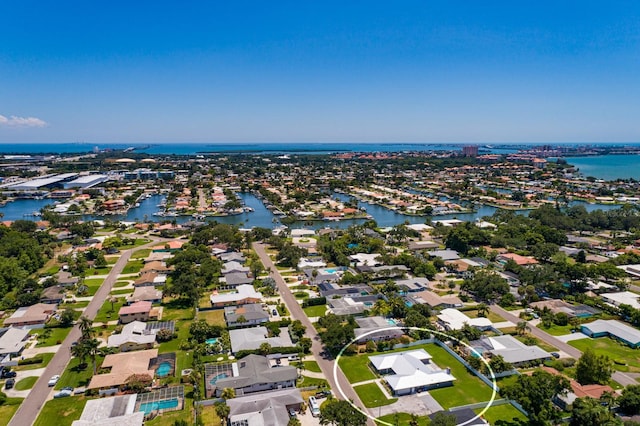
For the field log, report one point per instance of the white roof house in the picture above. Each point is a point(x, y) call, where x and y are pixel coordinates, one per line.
point(302, 232)
point(244, 291)
point(114, 411)
point(133, 333)
point(622, 298)
point(305, 263)
point(617, 329)
point(13, 340)
point(453, 319)
point(252, 338)
point(411, 370)
point(366, 259)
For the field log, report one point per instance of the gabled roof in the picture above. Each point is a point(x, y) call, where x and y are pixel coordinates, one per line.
point(266, 409)
point(411, 369)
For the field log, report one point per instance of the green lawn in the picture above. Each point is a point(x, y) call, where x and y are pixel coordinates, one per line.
point(121, 283)
point(301, 294)
point(312, 366)
point(93, 285)
point(75, 377)
point(356, 368)
point(404, 419)
point(543, 345)
point(467, 388)
point(209, 416)
point(133, 267)
point(493, 317)
point(141, 254)
point(26, 383)
point(311, 381)
point(51, 336)
point(371, 395)
point(557, 330)
point(178, 309)
point(8, 409)
point(618, 352)
point(76, 305)
point(122, 291)
point(136, 243)
point(46, 357)
point(315, 311)
point(503, 415)
point(215, 317)
point(106, 313)
point(61, 412)
point(169, 419)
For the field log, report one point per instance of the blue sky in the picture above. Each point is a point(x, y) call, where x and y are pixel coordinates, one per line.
point(366, 71)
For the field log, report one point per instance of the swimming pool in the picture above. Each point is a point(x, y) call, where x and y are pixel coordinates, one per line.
point(164, 369)
point(212, 341)
point(331, 271)
point(391, 322)
point(149, 407)
point(218, 377)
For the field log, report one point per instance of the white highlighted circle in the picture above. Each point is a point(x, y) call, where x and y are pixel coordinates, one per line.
point(439, 333)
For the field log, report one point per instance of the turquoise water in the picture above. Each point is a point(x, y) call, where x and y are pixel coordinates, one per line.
point(608, 167)
point(391, 322)
point(149, 407)
point(212, 341)
point(163, 369)
point(218, 377)
point(331, 271)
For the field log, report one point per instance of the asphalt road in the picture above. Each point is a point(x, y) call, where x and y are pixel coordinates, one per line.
point(31, 406)
point(618, 376)
point(326, 365)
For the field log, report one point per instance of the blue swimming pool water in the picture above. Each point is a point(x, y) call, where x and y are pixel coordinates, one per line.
point(163, 369)
point(391, 322)
point(148, 407)
point(212, 341)
point(218, 377)
point(331, 271)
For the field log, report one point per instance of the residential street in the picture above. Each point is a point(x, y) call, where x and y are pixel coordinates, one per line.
point(326, 365)
point(31, 406)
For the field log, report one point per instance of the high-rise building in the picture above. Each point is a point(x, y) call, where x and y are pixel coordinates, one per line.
point(470, 150)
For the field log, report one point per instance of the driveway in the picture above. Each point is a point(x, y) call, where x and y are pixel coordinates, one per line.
point(418, 403)
point(21, 375)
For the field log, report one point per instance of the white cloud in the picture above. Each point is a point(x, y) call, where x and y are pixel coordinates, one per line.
point(14, 121)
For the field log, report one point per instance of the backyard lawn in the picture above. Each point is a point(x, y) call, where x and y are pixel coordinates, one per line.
point(214, 317)
point(169, 419)
point(618, 352)
point(209, 416)
point(371, 395)
point(315, 311)
point(503, 415)
point(493, 317)
point(557, 330)
point(61, 412)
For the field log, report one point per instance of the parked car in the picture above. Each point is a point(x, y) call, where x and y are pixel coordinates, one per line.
point(274, 313)
point(64, 392)
point(6, 374)
point(9, 383)
point(555, 354)
point(292, 413)
point(323, 394)
point(53, 380)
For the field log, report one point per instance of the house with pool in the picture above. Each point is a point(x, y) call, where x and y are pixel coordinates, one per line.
point(253, 373)
point(376, 327)
point(411, 371)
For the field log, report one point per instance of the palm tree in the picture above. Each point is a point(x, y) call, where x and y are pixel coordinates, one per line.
point(228, 393)
point(86, 327)
point(223, 411)
point(483, 310)
point(79, 351)
point(522, 327)
point(92, 351)
point(112, 300)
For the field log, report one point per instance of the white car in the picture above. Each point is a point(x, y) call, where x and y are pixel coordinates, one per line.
point(53, 380)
